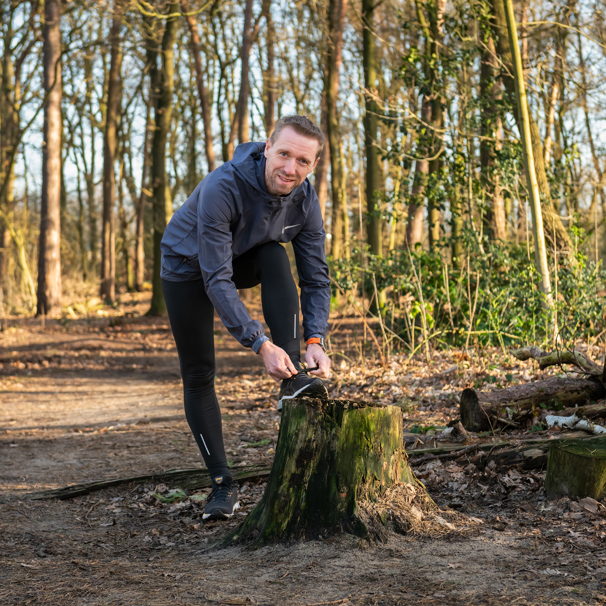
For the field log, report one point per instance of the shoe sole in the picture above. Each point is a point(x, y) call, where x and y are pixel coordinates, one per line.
point(220, 515)
point(294, 395)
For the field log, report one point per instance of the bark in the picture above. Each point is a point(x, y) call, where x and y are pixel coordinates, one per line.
point(11, 133)
point(594, 155)
point(110, 143)
point(163, 112)
point(89, 171)
point(331, 456)
point(49, 255)
point(549, 122)
point(335, 24)
point(490, 93)
point(371, 127)
point(483, 411)
point(140, 226)
point(202, 90)
point(321, 180)
point(414, 228)
point(186, 479)
point(556, 358)
point(269, 74)
point(577, 468)
point(553, 222)
point(242, 109)
point(436, 18)
point(591, 411)
point(540, 250)
point(81, 214)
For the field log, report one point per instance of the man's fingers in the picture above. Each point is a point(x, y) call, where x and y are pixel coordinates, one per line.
point(290, 366)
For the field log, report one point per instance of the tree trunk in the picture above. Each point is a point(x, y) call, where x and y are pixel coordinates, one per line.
point(553, 221)
point(269, 75)
point(371, 128)
point(110, 141)
point(242, 109)
point(123, 237)
point(594, 154)
point(414, 227)
point(202, 90)
point(482, 411)
point(577, 468)
point(335, 24)
point(490, 94)
point(140, 225)
point(163, 113)
point(540, 250)
point(321, 180)
point(49, 255)
point(436, 20)
point(331, 458)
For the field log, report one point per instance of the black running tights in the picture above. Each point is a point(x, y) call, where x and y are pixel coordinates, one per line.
point(191, 317)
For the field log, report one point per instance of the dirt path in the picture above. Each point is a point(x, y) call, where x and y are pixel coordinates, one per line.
point(87, 401)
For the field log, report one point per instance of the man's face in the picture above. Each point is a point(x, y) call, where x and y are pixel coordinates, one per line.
point(289, 160)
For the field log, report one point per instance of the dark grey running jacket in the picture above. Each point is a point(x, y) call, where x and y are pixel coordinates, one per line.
point(229, 213)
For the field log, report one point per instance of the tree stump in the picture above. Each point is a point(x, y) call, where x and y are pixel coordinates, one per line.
point(577, 468)
point(331, 457)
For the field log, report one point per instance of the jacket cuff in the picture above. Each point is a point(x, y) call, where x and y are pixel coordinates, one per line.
point(314, 335)
point(256, 346)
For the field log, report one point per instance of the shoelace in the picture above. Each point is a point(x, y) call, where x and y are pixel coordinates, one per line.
point(307, 370)
point(221, 492)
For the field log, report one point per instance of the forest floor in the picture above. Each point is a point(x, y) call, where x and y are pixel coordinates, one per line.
point(91, 398)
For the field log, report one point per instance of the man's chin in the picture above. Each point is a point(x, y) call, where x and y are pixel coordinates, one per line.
point(281, 188)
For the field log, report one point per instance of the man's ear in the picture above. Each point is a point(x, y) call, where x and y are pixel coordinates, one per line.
point(314, 166)
point(267, 147)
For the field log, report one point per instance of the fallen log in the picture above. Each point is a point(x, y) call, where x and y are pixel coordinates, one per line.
point(577, 468)
point(527, 454)
point(335, 462)
point(483, 411)
point(187, 479)
point(591, 411)
point(555, 358)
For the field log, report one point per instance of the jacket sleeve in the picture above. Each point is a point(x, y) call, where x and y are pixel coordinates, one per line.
point(314, 281)
point(215, 257)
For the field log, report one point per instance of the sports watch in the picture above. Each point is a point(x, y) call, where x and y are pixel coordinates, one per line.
point(318, 340)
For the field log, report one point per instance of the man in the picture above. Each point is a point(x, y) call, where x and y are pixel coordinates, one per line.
point(227, 236)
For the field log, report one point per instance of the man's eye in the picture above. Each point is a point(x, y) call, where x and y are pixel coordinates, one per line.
point(304, 162)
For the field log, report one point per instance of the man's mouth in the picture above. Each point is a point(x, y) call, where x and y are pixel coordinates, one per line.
point(285, 180)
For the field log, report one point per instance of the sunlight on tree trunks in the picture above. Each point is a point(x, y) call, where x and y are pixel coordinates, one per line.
point(49, 257)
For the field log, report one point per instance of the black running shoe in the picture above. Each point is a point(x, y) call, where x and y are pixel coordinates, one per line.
point(301, 385)
point(222, 500)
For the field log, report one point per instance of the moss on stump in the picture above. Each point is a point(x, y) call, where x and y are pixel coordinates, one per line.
point(331, 457)
point(577, 468)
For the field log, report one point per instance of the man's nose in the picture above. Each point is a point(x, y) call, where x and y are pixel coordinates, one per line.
point(289, 167)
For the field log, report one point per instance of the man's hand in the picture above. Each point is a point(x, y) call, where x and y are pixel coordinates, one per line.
point(277, 362)
point(315, 356)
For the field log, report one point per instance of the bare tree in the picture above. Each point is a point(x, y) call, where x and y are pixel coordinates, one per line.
point(163, 93)
point(201, 85)
point(110, 141)
point(49, 256)
point(371, 126)
point(334, 48)
point(553, 221)
point(242, 110)
point(540, 250)
point(269, 74)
